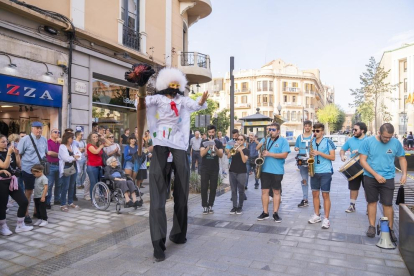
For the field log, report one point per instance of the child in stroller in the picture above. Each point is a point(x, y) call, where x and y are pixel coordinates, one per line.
point(114, 173)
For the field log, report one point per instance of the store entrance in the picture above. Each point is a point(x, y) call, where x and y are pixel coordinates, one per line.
point(15, 118)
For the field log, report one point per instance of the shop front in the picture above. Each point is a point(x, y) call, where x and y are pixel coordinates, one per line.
point(113, 104)
point(23, 101)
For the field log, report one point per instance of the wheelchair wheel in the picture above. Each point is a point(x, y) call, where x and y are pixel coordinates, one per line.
point(101, 196)
point(118, 208)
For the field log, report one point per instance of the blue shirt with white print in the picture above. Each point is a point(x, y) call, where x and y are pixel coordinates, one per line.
point(323, 165)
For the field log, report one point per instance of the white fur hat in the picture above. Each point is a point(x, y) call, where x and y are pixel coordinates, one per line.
point(169, 75)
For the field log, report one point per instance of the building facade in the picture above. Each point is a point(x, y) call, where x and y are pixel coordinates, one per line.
point(110, 36)
point(347, 124)
point(299, 92)
point(400, 62)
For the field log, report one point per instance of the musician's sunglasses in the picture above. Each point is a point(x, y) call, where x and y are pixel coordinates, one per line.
point(316, 130)
point(272, 129)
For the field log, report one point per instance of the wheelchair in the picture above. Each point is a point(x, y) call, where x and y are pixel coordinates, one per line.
point(104, 192)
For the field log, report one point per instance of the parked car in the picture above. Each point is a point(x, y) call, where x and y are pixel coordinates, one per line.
point(339, 140)
point(291, 140)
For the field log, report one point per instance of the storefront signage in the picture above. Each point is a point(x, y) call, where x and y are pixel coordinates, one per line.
point(24, 91)
point(129, 101)
point(257, 123)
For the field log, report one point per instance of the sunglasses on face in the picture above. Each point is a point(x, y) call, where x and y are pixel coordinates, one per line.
point(57, 132)
point(316, 130)
point(355, 129)
point(272, 129)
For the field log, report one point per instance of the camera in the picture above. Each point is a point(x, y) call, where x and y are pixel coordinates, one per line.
point(16, 172)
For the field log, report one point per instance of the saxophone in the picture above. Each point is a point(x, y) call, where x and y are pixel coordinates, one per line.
point(260, 160)
point(311, 161)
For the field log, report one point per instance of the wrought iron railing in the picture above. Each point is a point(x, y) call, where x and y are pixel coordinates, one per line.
point(131, 38)
point(188, 59)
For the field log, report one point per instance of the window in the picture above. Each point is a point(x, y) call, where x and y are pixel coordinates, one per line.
point(264, 98)
point(293, 99)
point(259, 99)
point(244, 114)
point(405, 66)
point(285, 99)
point(294, 84)
point(270, 85)
point(236, 86)
point(270, 99)
point(245, 86)
point(259, 86)
point(405, 85)
point(244, 99)
point(288, 116)
point(299, 117)
point(130, 15)
point(293, 115)
point(307, 100)
point(266, 113)
point(265, 86)
point(285, 84)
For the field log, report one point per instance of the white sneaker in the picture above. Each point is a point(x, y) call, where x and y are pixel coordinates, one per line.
point(5, 231)
point(270, 198)
point(44, 223)
point(325, 223)
point(23, 228)
point(314, 219)
point(38, 222)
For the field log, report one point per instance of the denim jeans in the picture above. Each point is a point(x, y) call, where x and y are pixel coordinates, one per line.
point(81, 173)
point(237, 181)
point(68, 186)
point(20, 183)
point(53, 179)
point(249, 167)
point(93, 174)
point(305, 176)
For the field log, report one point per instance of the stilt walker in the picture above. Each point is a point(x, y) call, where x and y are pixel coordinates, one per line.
point(168, 116)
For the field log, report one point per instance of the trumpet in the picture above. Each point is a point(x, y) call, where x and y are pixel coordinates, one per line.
point(233, 151)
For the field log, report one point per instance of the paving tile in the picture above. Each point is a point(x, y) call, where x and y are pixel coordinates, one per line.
point(268, 266)
point(212, 265)
point(338, 237)
point(387, 270)
point(36, 244)
point(350, 238)
point(8, 255)
point(309, 234)
point(189, 269)
point(4, 264)
point(238, 270)
point(395, 264)
point(25, 261)
point(337, 270)
point(345, 263)
point(260, 228)
point(324, 235)
point(295, 232)
point(278, 230)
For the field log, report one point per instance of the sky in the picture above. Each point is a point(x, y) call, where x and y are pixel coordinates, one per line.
point(335, 36)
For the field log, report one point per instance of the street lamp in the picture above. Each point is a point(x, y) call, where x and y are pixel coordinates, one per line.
point(279, 108)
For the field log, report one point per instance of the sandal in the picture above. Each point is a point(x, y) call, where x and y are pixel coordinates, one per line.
point(64, 209)
point(74, 206)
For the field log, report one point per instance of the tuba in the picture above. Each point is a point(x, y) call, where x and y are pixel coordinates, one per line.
point(260, 160)
point(311, 161)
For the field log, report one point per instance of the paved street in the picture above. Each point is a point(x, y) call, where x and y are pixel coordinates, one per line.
point(90, 242)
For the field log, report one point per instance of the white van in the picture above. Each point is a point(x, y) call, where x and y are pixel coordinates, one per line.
point(339, 140)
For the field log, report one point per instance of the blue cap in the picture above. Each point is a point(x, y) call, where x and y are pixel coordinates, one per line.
point(37, 124)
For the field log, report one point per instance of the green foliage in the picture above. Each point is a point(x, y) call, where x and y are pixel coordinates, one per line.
point(211, 108)
point(369, 100)
point(223, 121)
point(329, 114)
point(195, 183)
point(340, 120)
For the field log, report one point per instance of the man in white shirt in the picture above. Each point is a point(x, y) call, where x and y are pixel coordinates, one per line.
point(195, 144)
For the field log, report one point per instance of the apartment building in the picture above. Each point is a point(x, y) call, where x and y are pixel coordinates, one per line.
point(400, 62)
point(299, 92)
point(37, 50)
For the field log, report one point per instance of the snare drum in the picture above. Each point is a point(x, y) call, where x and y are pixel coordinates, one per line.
point(301, 161)
point(352, 169)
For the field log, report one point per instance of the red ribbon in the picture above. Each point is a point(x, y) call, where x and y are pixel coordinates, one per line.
point(174, 107)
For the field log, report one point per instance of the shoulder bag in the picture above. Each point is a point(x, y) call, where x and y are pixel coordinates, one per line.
point(43, 161)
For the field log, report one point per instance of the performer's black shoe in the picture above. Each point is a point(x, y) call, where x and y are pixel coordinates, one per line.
point(159, 258)
point(177, 242)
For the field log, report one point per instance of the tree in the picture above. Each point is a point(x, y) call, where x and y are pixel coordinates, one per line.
point(223, 121)
point(369, 99)
point(211, 108)
point(337, 126)
point(332, 115)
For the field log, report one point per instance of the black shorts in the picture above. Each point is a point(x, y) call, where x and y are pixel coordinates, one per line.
point(142, 174)
point(28, 180)
point(271, 181)
point(373, 190)
point(355, 184)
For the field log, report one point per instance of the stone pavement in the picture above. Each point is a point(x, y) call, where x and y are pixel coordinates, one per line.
point(218, 244)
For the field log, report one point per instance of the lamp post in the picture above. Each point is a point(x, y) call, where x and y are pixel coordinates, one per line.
point(279, 108)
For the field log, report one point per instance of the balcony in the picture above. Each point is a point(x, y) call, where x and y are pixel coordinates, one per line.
point(291, 104)
point(265, 104)
point(291, 90)
point(195, 66)
point(131, 38)
point(309, 92)
point(310, 106)
point(242, 105)
point(242, 91)
point(195, 9)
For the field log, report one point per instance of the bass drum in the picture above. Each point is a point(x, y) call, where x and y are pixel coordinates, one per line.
point(352, 169)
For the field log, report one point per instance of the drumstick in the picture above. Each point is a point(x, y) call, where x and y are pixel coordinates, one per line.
point(408, 175)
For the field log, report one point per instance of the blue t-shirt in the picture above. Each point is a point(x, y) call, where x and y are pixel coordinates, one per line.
point(302, 143)
point(275, 165)
point(325, 146)
point(353, 144)
point(380, 156)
